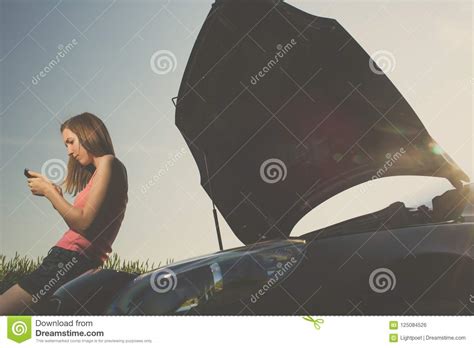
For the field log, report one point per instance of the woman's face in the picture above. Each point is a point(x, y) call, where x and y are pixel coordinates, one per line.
point(75, 149)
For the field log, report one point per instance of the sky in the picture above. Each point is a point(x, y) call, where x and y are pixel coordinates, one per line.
point(107, 54)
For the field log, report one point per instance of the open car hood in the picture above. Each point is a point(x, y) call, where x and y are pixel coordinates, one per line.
point(283, 110)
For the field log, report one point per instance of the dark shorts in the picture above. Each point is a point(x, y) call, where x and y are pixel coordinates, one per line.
point(58, 267)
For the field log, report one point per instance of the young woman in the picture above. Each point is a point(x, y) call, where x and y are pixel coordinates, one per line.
point(94, 219)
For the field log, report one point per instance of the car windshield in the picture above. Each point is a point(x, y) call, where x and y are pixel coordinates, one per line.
point(372, 196)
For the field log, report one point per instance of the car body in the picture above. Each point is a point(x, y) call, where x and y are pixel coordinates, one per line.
point(419, 269)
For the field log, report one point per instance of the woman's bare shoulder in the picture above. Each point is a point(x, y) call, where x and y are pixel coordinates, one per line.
point(107, 159)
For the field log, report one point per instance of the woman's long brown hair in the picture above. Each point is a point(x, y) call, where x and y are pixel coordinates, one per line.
point(95, 138)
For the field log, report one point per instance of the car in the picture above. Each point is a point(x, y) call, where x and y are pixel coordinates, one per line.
point(282, 111)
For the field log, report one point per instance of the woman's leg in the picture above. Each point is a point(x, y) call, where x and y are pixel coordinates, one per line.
point(15, 300)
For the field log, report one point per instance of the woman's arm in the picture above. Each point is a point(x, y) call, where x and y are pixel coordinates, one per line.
point(79, 219)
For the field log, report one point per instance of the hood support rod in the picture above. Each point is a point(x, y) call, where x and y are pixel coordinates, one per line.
point(214, 211)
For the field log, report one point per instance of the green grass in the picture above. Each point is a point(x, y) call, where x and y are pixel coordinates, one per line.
point(13, 269)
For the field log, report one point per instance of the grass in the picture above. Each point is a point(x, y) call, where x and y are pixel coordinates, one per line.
point(13, 269)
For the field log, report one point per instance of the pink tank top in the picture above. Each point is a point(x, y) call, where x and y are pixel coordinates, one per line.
point(105, 227)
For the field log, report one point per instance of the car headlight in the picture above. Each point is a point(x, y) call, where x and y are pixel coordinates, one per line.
point(199, 285)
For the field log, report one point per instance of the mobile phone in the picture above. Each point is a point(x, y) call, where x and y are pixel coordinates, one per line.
point(25, 172)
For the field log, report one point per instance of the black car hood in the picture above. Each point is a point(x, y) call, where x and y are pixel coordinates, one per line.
point(283, 110)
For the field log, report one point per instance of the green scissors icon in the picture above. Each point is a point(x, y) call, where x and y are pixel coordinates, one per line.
point(316, 322)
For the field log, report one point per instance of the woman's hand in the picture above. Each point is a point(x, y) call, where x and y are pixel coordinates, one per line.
point(40, 185)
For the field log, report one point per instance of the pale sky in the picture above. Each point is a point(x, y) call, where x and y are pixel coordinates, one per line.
point(107, 71)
